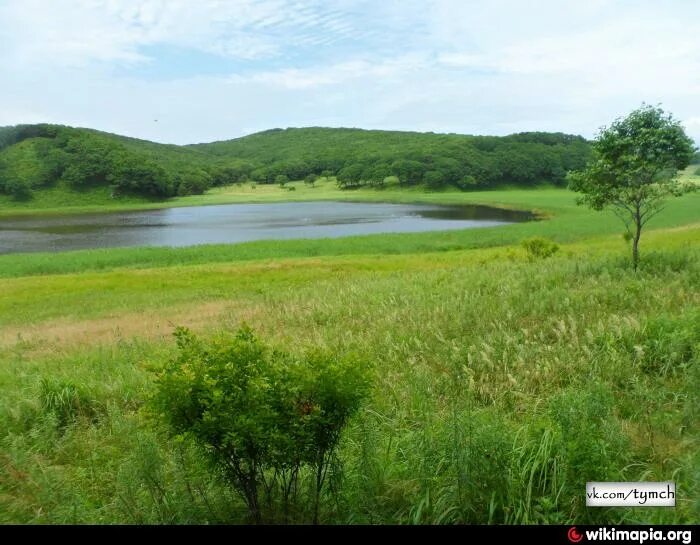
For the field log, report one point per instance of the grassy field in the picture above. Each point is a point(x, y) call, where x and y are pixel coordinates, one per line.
point(501, 384)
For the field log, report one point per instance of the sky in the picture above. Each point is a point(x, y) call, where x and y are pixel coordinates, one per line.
point(186, 71)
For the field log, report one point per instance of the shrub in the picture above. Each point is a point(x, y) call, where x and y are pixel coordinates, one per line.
point(697, 171)
point(391, 180)
point(266, 418)
point(468, 182)
point(539, 247)
point(19, 190)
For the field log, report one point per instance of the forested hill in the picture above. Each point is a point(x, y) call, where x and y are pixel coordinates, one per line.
point(37, 156)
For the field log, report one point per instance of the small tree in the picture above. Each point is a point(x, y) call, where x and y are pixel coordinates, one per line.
point(265, 418)
point(634, 168)
point(281, 179)
point(310, 179)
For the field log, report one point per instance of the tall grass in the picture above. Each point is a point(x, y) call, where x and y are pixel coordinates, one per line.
point(501, 385)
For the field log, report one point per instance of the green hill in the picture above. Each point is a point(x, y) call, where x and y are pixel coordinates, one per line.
point(40, 157)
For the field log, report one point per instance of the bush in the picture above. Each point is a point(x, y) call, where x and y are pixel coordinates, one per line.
point(697, 171)
point(539, 247)
point(266, 419)
point(19, 190)
point(468, 182)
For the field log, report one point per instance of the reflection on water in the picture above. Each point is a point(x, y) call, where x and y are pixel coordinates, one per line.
point(238, 223)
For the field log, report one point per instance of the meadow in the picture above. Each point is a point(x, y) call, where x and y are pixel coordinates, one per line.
point(501, 382)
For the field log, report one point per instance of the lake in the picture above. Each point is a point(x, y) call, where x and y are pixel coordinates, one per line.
point(188, 226)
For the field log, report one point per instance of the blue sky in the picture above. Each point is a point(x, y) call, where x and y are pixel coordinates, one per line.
point(186, 71)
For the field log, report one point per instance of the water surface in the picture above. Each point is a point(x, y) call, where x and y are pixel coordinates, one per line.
point(229, 223)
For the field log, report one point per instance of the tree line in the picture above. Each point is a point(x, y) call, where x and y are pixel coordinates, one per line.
point(37, 156)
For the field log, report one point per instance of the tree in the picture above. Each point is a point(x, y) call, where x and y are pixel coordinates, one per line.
point(350, 176)
point(635, 168)
point(281, 179)
point(267, 420)
point(434, 179)
point(408, 171)
point(192, 181)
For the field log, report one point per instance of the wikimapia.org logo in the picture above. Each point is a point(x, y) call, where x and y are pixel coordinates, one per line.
point(573, 535)
point(636, 536)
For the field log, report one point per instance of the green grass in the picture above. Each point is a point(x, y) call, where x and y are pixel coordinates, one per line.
point(501, 384)
point(478, 356)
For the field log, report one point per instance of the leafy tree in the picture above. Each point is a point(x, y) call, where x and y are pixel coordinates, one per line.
point(450, 168)
point(259, 175)
point(408, 171)
point(634, 169)
point(468, 182)
point(310, 179)
point(262, 416)
point(350, 176)
point(281, 179)
point(231, 174)
point(434, 179)
point(89, 160)
point(192, 181)
point(378, 174)
point(130, 173)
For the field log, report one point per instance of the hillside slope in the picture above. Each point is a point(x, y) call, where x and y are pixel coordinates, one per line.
point(36, 157)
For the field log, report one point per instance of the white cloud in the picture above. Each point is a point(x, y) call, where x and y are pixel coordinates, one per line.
point(336, 74)
point(445, 65)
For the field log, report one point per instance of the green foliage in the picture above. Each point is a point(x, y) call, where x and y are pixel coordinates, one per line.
point(350, 176)
point(67, 402)
point(192, 181)
point(539, 247)
point(634, 168)
point(263, 416)
point(84, 158)
point(434, 179)
point(27, 166)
